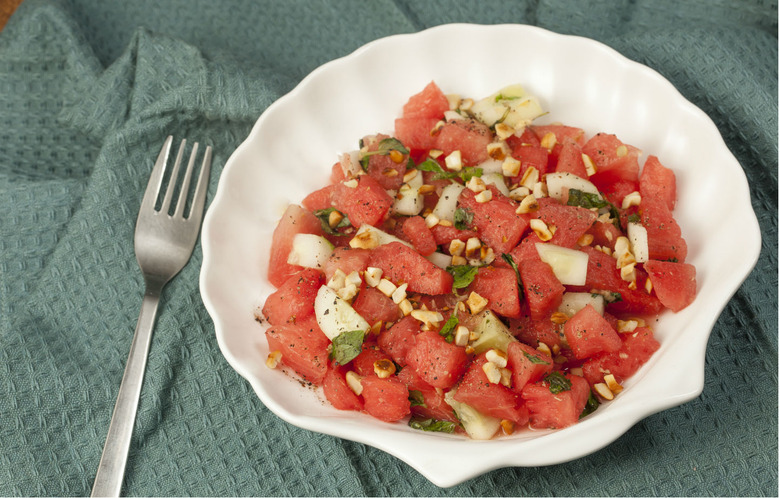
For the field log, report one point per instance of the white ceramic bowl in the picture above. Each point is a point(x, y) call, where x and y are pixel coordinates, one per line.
point(580, 82)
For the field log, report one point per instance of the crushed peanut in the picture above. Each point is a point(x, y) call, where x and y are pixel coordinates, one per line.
point(431, 220)
point(406, 307)
point(590, 167)
point(496, 356)
point(484, 196)
point(399, 294)
point(475, 184)
point(510, 166)
point(549, 140)
point(429, 318)
point(409, 175)
point(507, 426)
point(504, 131)
point(462, 335)
point(273, 359)
point(541, 229)
point(353, 381)
point(426, 189)
point(372, 275)
point(632, 199)
point(585, 239)
point(386, 287)
point(559, 317)
point(498, 150)
point(472, 246)
point(365, 240)
point(612, 383)
point(476, 303)
point(627, 326)
point(527, 205)
point(603, 391)
point(457, 247)
point(492, 372)
point(384, 368)
point(396, 156)
point(454, 161)
point(530, 177)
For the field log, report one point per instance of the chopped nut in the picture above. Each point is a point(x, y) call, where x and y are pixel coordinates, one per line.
point(603, 391)
point(544, 348)
point(510, 166)
point(461, 335)
point(384, 368)
point(507, 426)
point(492, 372)
point(496, 356)
point(396, 156)
point(484, 196)
point(519, 193)
point(353, 381)
point(466, 104)
point(527, 205)
point(626, 326)
point(426, 189)
point(530, 177)
point(445, 223)
point(406, 307)
point(486, 254)
point(632, 199)
point(589, 166)
point(399, 294)
point(454, 161)
point(353, 183)
point(498, 150)
point(472, 246)
point(612, 383)
point(429, 318)
point(504, 131)
point(648, 286)
point(436, 128)
point(390, 172)
point(621, 151)
point(506, 377)
point(585, 239)
point(454, 100)
point(353, 278)
point(459, 260)
point(476, 303)
point(541, 229)
point(273, 359)
point(365, 240)
point(347, 292)
point(623, 253)
point(409, 175)
point(559, 317)
point(431, 220)
point(435, 153)
point(376, 328)
point(386, 287)
point(628, 272)
point(337, 281)
point(549, 140)
point(456, 247)
point(539, 190)
point(476, 184)
point(372, 276)
point(335, 217)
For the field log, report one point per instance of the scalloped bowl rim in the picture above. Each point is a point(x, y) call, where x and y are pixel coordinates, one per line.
point(235, 234)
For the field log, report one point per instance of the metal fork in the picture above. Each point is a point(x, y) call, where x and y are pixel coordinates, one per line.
point(163, 245)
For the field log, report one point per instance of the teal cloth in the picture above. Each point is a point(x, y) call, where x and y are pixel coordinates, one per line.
point(89, 89)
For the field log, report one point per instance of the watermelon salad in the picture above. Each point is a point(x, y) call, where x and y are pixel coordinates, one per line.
point(477, 273)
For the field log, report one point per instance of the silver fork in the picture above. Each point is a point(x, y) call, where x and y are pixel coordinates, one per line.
point(163, 245)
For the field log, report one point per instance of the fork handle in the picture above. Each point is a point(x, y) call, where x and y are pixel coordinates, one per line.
point(111, 470)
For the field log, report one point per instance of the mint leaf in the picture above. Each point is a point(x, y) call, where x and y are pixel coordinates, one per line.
point(346, 346)
point(324, 217)
point(463, 275)
point(416, 398)
point(463, 218)
point(431, 425)
point(448, 330)
point(590, 406)
point(557, 382)
point(440, 173)
point(535, 359)
point(593, 201)
point(511, 262)
point(386, 145)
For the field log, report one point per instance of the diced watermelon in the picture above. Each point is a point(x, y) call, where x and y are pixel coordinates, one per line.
point(570, 222)
point(319, 199)
point(363, 364)
point(673, 283)
point(295, 220)
point(496, 221)
point(563, 134)
point(543, 291)
point(443, 235)
point(491, 399)
point(531, 155)
point(664, 237)
point(294, 300)
point(415, 133)
point(570, 160)
point(588, 333)
point(417, 232)
point(381, 167)
point(525, 250)
point(549, 410)
point(533, 332)
point(528, 137)
point(346, 259)
point(433, 404)
point(637, 347)
point(499, 287)
point(429, 103)
point(438, 362)
point(527, 364)
point(399, 338)
point(614, 160)
point(401, 263)
point(303, 346)
point(366, 203)
point(337, 173)
point(374, 306)
point(658, 181)
point(385, 399)
point(604, 234)
point(468, 136)
point(336, 390)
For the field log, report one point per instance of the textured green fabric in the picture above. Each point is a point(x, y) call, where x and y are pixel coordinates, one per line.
point(88, 90)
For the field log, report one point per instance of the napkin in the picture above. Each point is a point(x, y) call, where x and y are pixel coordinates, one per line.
point(88, 91)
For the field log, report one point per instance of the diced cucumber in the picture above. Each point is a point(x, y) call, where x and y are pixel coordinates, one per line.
point(493, 334)
point(572, 302)
point(440, 259)
point(409, 200)
point(570, 266)
point(448, 202)
point(522, 111)
point(335, 315)
point(510, 105)
point(560, 182)
point(309, 250)
point(637, 237)
point(478, 425)
point(496, 179)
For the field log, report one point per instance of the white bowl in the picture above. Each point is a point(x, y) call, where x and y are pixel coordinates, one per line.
point(580, 82)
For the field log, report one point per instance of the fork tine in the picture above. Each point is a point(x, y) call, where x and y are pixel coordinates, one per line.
point(166, 203)
point(155, 179)
point(185, 184)
point(199, 199)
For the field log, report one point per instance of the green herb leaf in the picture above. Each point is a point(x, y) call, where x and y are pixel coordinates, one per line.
point(463, 218)
point(386, 145)
point(431, 425)
point(324, 217)
point(440, 173)
point(416, 398)
point(535, 359)
point(590, 406)
point(346, 346)
point(448, 330)
point(634, 218)
point(511, 262)
point(590, 201)
point(463, 275)
point(557, 382)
